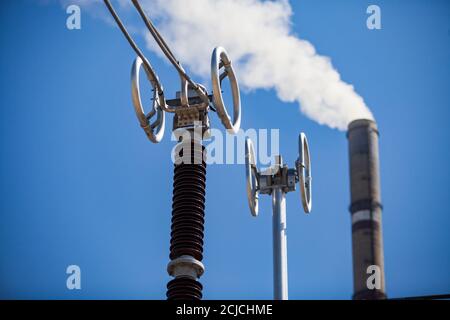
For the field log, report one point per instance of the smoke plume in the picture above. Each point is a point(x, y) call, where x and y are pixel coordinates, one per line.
point(267, 55)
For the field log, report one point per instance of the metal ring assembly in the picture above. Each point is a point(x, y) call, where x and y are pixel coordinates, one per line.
point(304, 172)
point(220, 58)
point(251, 174)
point(276, 181)
point(158, 101)
point(192, 102)
point(278, 176)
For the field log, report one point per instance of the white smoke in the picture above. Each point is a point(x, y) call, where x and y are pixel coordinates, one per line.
point(258, 37)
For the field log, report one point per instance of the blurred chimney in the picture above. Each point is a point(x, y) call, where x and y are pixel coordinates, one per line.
point(365, 209)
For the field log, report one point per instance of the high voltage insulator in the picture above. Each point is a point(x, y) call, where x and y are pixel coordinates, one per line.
point(190, 107)
point(277, 181)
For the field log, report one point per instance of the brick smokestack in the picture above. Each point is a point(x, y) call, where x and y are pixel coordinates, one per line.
point(365, 209)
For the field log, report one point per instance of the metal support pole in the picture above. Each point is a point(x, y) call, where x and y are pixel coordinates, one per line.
point(280, 273)
point(277, 181)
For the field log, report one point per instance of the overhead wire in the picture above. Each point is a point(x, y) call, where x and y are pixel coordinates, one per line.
point(162, 44)
point(135, 47)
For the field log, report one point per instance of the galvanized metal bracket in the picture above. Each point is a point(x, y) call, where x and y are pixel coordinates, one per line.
point(190, 117)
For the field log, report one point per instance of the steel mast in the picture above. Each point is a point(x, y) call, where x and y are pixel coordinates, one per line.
point(277, 181)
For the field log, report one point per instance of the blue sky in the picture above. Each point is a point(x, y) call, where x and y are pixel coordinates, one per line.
point(81, 184)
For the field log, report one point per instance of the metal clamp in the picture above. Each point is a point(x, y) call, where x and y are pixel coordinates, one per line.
point(251, 173)
point(220, 59)
point(303, 165)
point(158, 102)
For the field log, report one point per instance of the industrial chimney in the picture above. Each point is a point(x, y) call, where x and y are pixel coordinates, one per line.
point(365, 209)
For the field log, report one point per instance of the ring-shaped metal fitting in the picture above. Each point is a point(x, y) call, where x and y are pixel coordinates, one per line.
point(220, 58)
point(304, 173)
point(251, 174)
point(153, 135)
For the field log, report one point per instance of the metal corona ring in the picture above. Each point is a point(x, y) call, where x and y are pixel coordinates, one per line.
point(304, 172)
point(158, 101)
point(220, 58)
point(251, 173)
